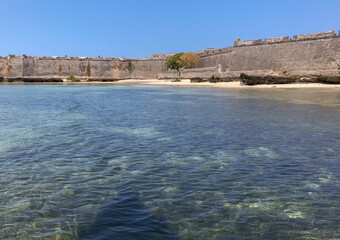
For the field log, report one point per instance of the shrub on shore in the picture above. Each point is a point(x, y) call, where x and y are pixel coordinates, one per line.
point(131, 65)
point(72, 78)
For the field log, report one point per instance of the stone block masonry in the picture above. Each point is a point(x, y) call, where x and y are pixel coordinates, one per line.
point(276, 39)
point(239, 43)
point(315, 35)
point(11, 66)
point(82, 68)
point(316, 53)
point(189, 73)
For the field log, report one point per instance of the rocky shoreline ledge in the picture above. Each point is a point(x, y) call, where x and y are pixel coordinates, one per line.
point(259, 80)
point(53, 80)
point(215, 81)
point(251, 80)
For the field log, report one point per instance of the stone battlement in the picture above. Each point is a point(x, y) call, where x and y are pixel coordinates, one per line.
point(208, 51)
point(76, 58)
point(162, 55)
point(239, 43)
point(274, 40)
point(302, 37)
point(315, 35)
point(277, 39)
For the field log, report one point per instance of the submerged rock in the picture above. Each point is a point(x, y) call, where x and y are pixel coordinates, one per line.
point(197, 80)
point(255, 80)
point(217, 79)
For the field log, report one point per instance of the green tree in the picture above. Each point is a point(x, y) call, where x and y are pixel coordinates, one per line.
point(131, 65)
point(172, 62)
point(188, 60)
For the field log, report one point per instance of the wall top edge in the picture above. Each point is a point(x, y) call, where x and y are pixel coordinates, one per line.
point(23, 56)
point(301, 37)
point(206, 52)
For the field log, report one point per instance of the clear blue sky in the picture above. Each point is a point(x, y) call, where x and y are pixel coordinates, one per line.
point(138, 28)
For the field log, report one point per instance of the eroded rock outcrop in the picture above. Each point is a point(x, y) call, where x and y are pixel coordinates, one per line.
point(33, 80)
point(257, 80)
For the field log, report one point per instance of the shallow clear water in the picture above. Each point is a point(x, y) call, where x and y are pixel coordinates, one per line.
point(143, 162)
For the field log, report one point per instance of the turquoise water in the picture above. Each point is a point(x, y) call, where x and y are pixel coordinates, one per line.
point(143, 162)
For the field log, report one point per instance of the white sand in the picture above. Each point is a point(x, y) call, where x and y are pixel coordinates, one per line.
point(186, 83)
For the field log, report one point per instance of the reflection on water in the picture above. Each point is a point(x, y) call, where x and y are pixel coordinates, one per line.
point(137, 162)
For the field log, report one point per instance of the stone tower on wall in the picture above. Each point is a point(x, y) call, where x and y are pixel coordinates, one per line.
point(237, 40)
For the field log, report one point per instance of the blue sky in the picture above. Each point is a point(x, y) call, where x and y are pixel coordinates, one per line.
point(138, 28)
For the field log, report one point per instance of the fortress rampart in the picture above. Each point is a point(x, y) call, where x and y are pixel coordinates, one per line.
point(87, 68)
point(316, 53)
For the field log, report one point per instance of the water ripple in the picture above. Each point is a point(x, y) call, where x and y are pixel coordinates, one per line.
point(111, 162)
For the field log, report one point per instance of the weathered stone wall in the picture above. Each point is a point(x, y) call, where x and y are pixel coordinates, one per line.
point(307, 53)
point(189, 73)
point(276, 39)
point(4, 66)
point(199, 72)
point(317, 53)
point(63, 67)
point(315, 35)
point(11, 67)
point(225, 59)
point(144, 69)
point(236, 74)
point(86, 68)
point(169, 74)
point(239, 43)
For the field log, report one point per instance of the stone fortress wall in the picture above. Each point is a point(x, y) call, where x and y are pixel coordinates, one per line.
point(83, 68)
point(316, 53)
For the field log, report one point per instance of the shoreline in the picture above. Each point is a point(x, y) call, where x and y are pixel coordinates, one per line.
point(234, 84)
point(187, 83)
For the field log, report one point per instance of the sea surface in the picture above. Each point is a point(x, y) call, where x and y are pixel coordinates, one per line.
point(149, 162)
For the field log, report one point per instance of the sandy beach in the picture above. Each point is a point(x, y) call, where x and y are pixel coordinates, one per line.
point(236, 84)
point(185, 83)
